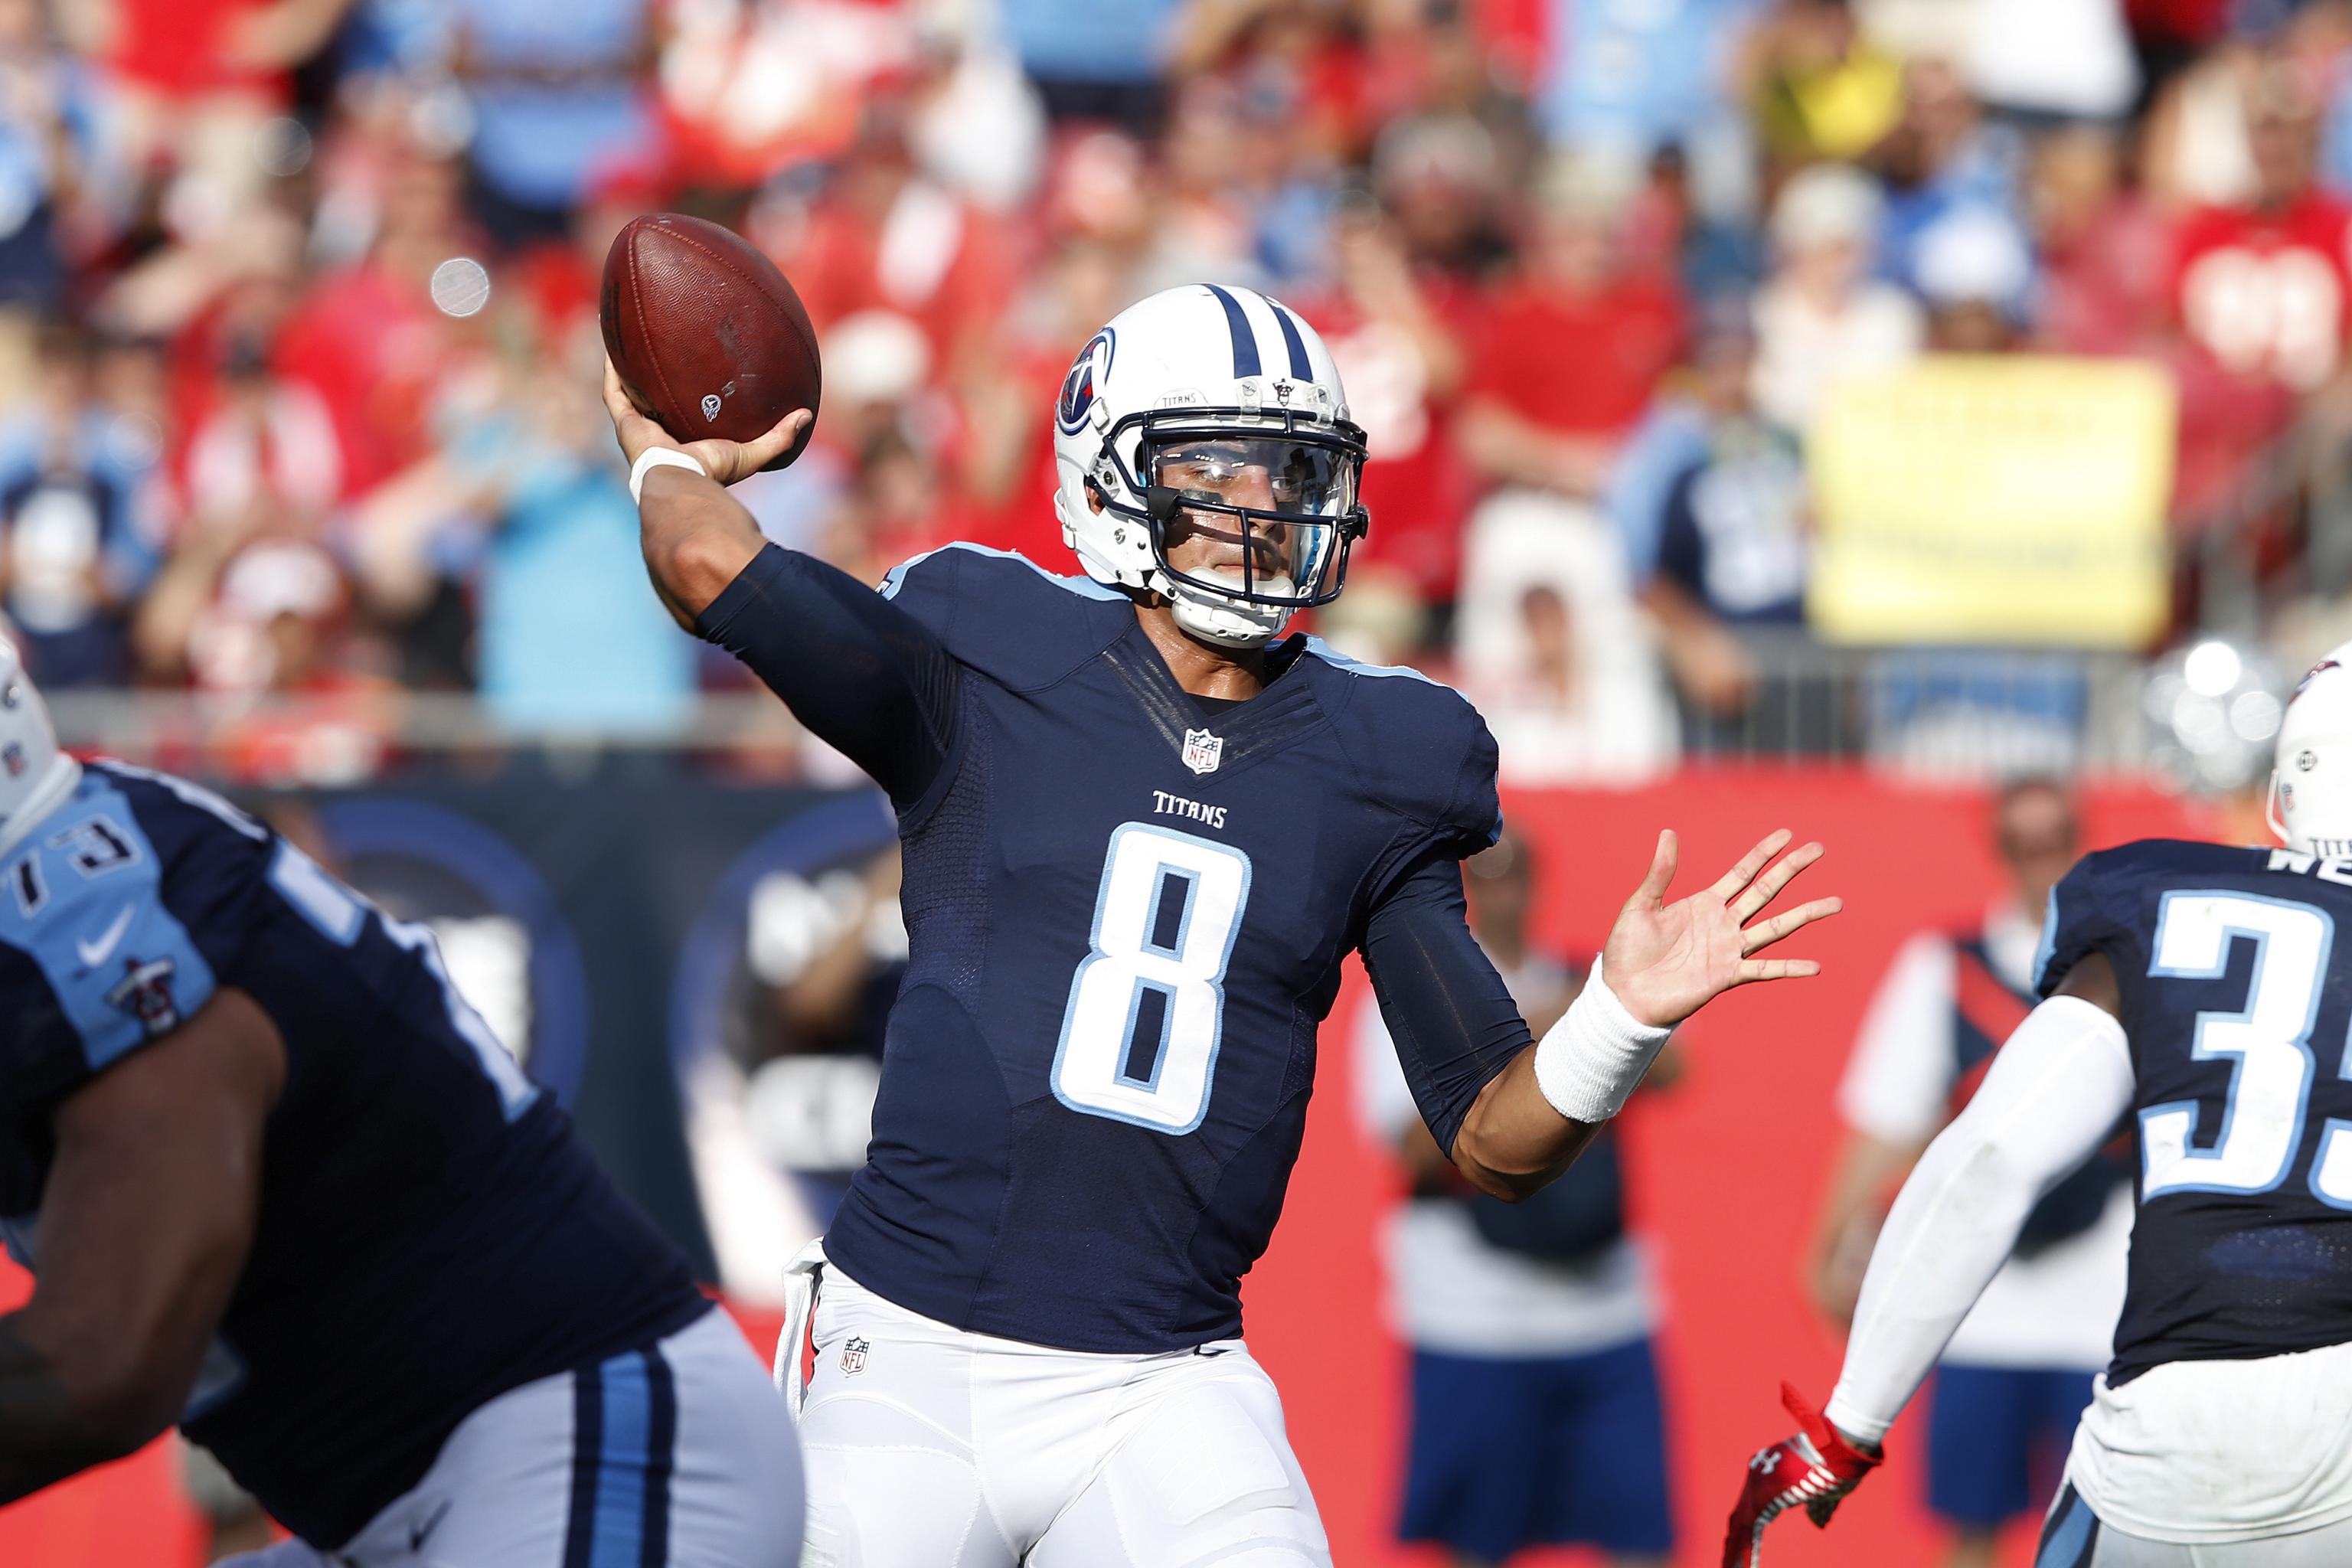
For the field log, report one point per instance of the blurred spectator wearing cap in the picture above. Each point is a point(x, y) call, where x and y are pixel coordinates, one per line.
point(1440, 178)
point(81, 523)
point(1940, 160)
point(1565, 364)
point(1973, 269)
point(1536, 1417)
point(2018, 1372)
point(1822, 316)
point(556, 97)
point(1731, 557)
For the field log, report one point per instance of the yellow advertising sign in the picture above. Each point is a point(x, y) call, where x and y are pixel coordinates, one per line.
point(2010, 499)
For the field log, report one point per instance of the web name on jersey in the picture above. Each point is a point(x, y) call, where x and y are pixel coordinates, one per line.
point(2335, 869)
point(1176, 806)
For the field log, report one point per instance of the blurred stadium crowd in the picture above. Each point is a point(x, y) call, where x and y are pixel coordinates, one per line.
point(300, 350)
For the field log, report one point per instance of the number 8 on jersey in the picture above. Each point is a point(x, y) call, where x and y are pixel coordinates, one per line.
point(1146, 1005)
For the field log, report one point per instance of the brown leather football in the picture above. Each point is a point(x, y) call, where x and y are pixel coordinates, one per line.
point(708, 337)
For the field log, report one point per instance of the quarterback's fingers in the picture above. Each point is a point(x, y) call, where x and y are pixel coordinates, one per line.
point(1767, 888)
point(1726, 887)
point(1754, 969)
point(782, 438)
point(1764, 933)
point(616, 396)
point(1652, 890)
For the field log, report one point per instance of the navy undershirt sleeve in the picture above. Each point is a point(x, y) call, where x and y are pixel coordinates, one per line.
point(1454, 1021)
point(863, 675)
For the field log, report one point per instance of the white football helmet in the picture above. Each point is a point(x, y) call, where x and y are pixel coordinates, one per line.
point(1232, 392)
point(2310, 805)
point(34, 774)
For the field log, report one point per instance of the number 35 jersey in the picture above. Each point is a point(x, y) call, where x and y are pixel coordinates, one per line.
point(2236, 972)
point(1126, 916)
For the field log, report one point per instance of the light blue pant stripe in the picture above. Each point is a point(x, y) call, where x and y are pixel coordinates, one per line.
point(2064, 1546)
point(620, 1471)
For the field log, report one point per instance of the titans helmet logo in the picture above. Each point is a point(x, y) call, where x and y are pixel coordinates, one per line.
point(1080, 387)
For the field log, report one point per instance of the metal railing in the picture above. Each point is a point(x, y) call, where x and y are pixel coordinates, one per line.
point(1966, 712)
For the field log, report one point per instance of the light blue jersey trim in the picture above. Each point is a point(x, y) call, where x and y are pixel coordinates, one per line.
point(620, 1481)
point(123, 969)
point(1084, 587)
point(1337, 660)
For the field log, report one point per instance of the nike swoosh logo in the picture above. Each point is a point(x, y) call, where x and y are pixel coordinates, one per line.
point(93, 954)
point(417, 1532)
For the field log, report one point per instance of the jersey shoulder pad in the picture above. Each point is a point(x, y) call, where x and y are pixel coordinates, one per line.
point(1419, 746)
point(1006, 615)
point(116, 915)
point(2108, 901)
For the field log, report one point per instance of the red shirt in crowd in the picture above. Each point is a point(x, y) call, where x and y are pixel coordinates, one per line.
point(184, 47)
point(1416, 485)
point(374, 348)
point(1577, 366)
point(2262, 298)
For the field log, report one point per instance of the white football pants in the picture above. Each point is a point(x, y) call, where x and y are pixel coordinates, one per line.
point(2212, 1464)
point(928, 1447)
point(558, 1472)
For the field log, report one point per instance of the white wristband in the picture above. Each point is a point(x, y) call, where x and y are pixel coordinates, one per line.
point(654, 457)
point(1587, 1064)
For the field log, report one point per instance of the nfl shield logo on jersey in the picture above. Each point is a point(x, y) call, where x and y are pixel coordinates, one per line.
point(853, 1356)
point(1202, 750)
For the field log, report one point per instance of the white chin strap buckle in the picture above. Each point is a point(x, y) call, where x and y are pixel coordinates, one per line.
point(1213, 618)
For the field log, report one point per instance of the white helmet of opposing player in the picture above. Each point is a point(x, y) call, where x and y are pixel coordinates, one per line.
point(2310, 781)
point(1232, 391)
point(34, 774)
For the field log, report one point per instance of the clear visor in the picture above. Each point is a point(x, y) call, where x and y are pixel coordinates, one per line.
point(1260, 514)
point(1264, 473)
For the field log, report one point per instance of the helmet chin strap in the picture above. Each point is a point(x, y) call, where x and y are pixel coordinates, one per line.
point(2271, 811)
point(1213, 618)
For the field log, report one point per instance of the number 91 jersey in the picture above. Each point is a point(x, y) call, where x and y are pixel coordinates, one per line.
point(2240, 1017)
point(1126, 911)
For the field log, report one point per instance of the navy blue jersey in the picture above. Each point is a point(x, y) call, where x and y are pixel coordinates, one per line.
point(430, 1232)
point(2241, 1029)
point(1126, 916)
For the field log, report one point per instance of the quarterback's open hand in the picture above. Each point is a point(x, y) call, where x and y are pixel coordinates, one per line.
point(1816, 1467)
point(726, 461)
point(1667, 961)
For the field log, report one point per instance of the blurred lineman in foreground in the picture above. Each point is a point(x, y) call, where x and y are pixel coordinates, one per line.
point(249, 1117)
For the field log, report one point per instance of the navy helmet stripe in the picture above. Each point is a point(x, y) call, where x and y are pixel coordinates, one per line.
point(1301, 368)
point(1245, 363)
point(661, 1451)
point(587, 1447)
